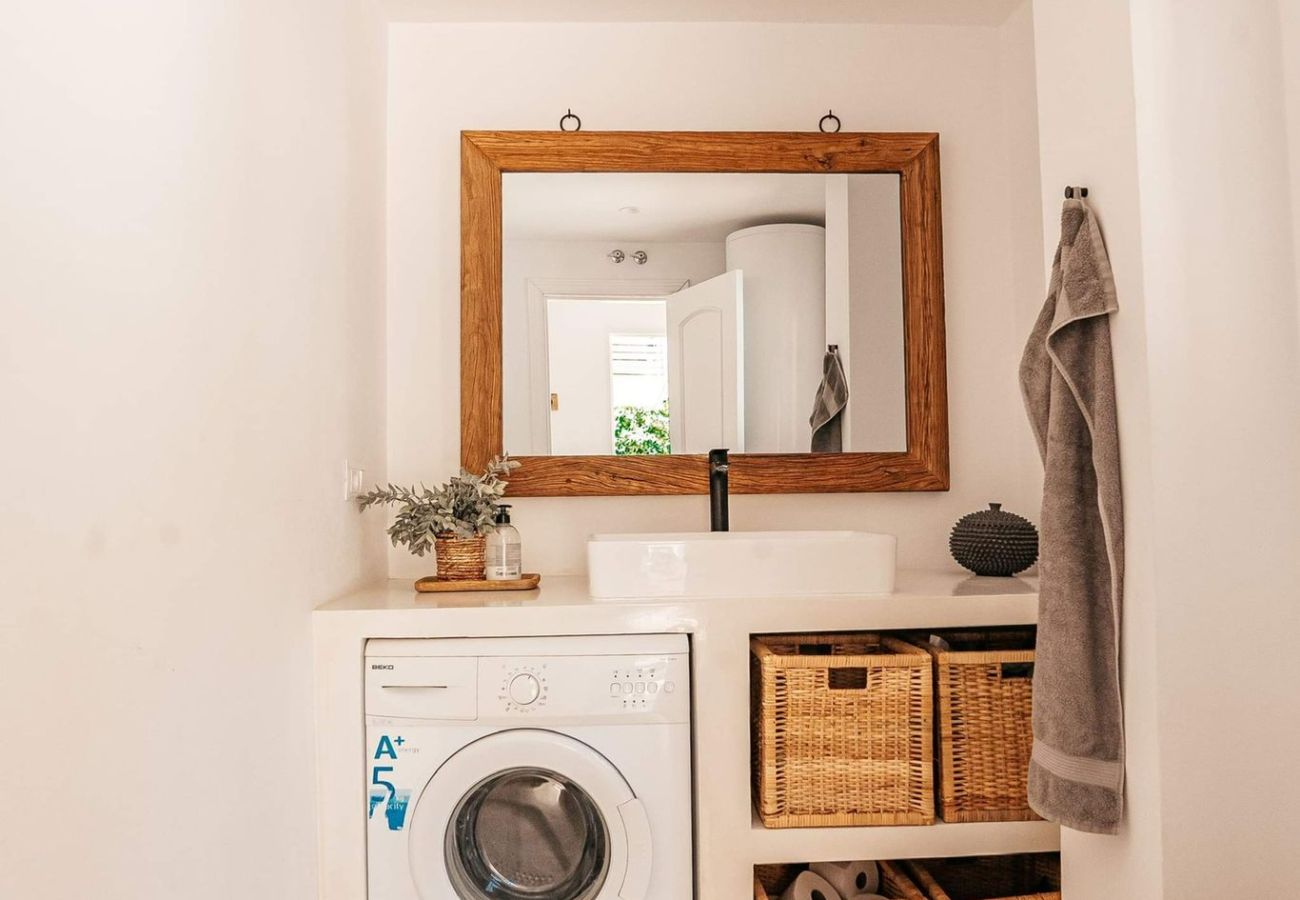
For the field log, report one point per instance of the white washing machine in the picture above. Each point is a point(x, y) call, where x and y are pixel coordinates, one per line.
point(548, 768)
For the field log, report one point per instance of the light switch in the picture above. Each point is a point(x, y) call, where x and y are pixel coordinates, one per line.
point(354, 481)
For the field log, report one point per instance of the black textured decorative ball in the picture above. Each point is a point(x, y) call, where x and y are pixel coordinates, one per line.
point(993, 542)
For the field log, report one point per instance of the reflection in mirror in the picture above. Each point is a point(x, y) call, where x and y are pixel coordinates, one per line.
point(654, 313)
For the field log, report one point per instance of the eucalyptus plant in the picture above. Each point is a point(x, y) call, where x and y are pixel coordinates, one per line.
point(464, 507)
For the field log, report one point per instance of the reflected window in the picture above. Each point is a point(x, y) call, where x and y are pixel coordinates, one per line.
point(638, 374)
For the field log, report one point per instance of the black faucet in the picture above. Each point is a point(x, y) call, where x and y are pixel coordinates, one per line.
point(718, 465)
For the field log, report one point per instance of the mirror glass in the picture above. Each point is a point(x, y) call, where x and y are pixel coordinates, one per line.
point(656, 313)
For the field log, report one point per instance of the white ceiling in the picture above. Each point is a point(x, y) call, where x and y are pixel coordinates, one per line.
point(882, 12)
point(672, 206)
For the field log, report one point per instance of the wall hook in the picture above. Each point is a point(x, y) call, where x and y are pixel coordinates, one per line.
point(1071, 192)
point(616, 256)
point(827, 119)
point(575, 122)
point(640, 257)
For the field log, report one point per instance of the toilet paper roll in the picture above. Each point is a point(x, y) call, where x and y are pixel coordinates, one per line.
point(850, 878)
point(810, 886)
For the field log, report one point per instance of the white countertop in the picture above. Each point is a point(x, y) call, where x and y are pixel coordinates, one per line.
point(729, 842)
point(919, 597)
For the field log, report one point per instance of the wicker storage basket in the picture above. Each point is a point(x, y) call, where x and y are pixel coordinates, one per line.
point(460, 559)
point(770, 881)
point(842, 731)
point(983, 728)
point(1035, 876)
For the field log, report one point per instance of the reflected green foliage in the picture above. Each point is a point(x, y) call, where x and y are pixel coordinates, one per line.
point(639, 431)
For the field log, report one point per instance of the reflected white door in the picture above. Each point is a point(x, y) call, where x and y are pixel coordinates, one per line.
point(706, 365)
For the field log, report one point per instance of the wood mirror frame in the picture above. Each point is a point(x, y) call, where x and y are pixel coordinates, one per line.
point(485, 155)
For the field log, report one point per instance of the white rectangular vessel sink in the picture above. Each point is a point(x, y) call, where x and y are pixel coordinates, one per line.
point(701, 565)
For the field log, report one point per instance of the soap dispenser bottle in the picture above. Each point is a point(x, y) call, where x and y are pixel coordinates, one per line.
point(503, 548)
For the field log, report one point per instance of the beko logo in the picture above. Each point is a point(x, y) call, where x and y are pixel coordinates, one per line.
point(381, 666)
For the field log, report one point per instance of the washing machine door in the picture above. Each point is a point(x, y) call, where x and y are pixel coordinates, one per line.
point(529, 814)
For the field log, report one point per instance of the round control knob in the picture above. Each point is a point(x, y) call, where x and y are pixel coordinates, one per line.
point(524, 689)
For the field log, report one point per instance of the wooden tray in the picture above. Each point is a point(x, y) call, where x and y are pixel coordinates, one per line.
point(431, 585)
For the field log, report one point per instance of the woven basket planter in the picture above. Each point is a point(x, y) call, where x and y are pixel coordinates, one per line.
point(842, 731)
point(984, 682)
point(460, 559)
point(1034, 876)
point(770, 881)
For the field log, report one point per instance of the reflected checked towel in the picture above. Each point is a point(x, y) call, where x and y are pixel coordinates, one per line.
point(828, 407)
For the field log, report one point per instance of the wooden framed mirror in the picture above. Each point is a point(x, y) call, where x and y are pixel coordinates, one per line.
point(743, 367)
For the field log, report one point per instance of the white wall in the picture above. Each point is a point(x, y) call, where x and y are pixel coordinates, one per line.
point(1289, 21)
point(544, 263)
point(192, 298)
point(1223, 349)
point(722, 77)
point(1182, 139)
point(1087, 137)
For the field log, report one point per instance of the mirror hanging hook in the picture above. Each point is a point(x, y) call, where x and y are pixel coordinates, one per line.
point(827, 119)
point(576, 123)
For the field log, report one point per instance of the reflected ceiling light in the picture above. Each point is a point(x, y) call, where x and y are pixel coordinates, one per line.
point(630, 210)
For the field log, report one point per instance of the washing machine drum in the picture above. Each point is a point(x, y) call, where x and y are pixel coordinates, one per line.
point(529, 815)
point(527, 833)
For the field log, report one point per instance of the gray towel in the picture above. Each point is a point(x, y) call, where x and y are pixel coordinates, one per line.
point(1076, 772)
point(828, 407)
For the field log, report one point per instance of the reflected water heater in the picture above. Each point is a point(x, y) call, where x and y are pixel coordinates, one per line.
point(784, 270)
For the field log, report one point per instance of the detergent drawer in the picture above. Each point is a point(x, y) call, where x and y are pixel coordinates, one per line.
point(412, 687)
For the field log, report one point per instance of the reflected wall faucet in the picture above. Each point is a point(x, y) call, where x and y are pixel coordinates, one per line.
point(718, 466)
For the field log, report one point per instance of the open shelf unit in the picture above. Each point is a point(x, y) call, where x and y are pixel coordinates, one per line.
point(921, 601)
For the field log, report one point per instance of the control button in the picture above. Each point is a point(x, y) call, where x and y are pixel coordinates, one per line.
point(524, 689)
point(654, 687)
point(669, 687)
point(640, 687)
point(627, 687)
point(615, 690)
